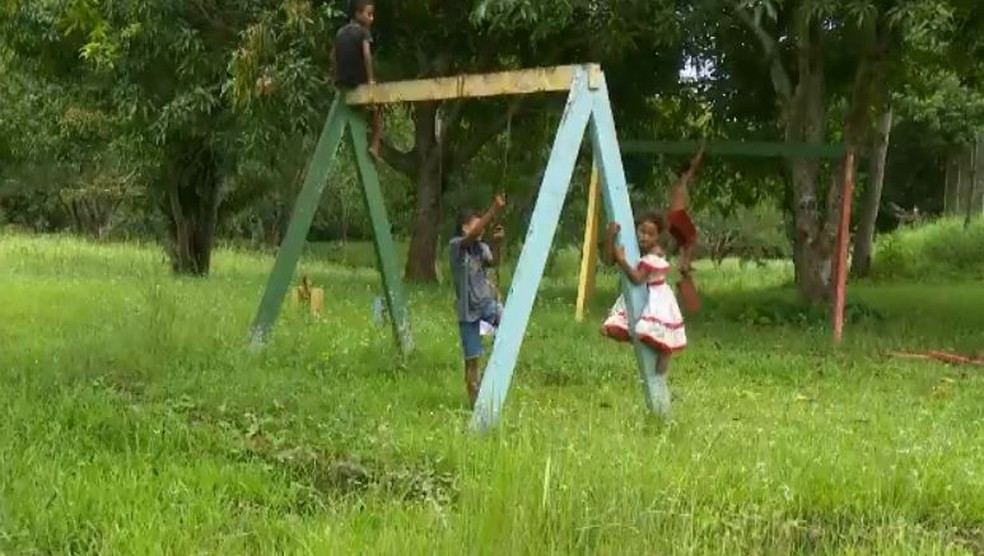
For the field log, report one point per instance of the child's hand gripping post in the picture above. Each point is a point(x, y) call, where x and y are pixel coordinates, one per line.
point(635, 275)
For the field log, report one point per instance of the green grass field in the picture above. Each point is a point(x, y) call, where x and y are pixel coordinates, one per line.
point(133, 420)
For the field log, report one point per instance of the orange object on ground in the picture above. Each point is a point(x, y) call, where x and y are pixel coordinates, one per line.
point(688, 294)
point(944, 356)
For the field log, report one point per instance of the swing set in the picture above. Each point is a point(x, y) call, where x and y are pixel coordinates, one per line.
point(587, 110)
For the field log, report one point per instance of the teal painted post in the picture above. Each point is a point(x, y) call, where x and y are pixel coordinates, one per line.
point(618, 208)
point(533, 259)
point(382, 235)
point(736, 148)
point(300, 222)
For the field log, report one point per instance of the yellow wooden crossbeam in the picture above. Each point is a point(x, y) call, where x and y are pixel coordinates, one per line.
point(520, 82)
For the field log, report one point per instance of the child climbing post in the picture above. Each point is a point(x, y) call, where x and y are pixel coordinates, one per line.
point(478, 306)
point(354, 63)
point(684, 232)
point(660, 324)
point(681, 226)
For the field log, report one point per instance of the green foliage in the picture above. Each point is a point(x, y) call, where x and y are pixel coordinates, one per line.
point(944, 248)
point(754, 234)
point(779, 311)
point(103, 102)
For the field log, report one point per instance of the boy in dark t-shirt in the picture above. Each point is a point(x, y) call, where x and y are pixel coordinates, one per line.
point(475, 294)
point(353, 60)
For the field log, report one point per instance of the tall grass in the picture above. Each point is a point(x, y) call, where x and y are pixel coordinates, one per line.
point(941, 249)
point(134, 421)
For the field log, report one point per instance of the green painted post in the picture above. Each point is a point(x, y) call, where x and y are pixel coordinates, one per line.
point(763, 149)
point(382, 234)
point(300, 222)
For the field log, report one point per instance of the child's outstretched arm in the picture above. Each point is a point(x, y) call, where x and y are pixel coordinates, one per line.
point(635, 275)
point(474, 232)
point(695, 164)
point(498, 237)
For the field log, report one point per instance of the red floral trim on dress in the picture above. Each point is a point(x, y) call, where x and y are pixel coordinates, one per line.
point(617, 332)
point(647, 318)
point(658, 344)
point(646, 265)
point(621, 334)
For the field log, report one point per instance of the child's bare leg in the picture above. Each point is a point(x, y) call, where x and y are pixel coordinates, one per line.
point(679, 196)
point(663, 363)
point(686, 258)
point(377, 132)
point(472, 380)
point(661, 396)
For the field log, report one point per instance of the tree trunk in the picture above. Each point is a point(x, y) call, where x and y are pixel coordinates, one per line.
point(193, 202)
point(865, 239)
point(422, 255)
point(972, 186)
point(805, 116)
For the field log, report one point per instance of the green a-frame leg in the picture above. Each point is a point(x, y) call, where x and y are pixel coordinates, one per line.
point(315, 180)
point(588, 103)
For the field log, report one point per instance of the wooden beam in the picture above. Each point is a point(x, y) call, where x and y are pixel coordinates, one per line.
point(589, 250)
point(533, 258)
point(618, 208)
point(308, 199)
point(762, 149)
point(382, 236)
point(521, 82)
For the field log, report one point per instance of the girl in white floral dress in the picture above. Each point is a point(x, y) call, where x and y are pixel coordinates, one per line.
point(660, 324)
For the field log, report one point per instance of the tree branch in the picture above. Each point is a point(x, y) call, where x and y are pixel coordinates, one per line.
point(464, 154)
point(780, 78)
point(403, 162)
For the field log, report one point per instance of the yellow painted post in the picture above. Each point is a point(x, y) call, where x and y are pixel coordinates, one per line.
point(317, 302)
point(589, 251)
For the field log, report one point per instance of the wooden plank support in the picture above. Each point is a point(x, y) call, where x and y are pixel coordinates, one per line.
point(843, 245)
point(382, 235)
point(533, 258)
point(290, 250)
point(735, 148)
point(589, 249)
point(618, 208)
point(520, 82)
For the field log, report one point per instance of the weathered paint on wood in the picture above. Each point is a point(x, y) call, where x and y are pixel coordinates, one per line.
point(533, 259)
point(736, 148)
point(618, 208)
point(589, 249)
point(843, 245)
point(520, 82)
point(300, 222)
point(386, 258)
